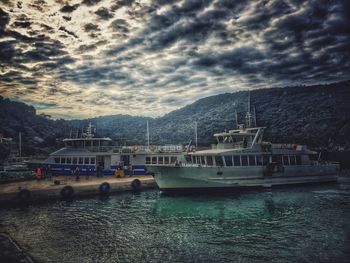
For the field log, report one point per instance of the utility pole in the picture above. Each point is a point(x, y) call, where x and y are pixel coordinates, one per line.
point(20, 143)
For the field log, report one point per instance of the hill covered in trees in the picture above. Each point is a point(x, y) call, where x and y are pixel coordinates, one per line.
point(317, 115)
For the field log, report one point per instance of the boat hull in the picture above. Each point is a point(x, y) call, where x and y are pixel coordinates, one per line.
point(172, 178)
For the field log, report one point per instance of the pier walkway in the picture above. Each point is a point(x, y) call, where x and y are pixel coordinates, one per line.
point(69, 188)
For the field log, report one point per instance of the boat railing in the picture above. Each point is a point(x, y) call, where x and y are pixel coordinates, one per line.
point(114, 149)
point(238, 145)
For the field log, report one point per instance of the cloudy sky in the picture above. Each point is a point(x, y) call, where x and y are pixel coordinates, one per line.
point(83, 58)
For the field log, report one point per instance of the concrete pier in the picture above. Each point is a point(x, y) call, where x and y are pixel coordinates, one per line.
point(69, 188)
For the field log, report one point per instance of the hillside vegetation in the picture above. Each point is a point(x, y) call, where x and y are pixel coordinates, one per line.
point(317, 115)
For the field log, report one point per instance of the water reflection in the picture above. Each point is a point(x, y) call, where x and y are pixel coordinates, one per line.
point(295, 224)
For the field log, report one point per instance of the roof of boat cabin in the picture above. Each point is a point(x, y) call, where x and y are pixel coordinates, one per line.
point(87, 139)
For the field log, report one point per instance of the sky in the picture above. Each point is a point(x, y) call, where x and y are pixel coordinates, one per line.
point(86, 58)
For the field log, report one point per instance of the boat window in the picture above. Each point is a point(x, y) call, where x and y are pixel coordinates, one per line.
point(292, 159)
point(244, 159)
point(173, 159)
point(228, 160)
point(166, 159)
point(236, 160)
point(95, 143)
point(154, 160)
point(86, 160)
point(93, 160)
point(202, 160)
point(63, 159)
point(104, 143)
point(218, 161)
point(148, 160)
point(87, 143)
point(160, 160)
point(81, 160)
point(198, 160)
point(266, 159)
point(188, 159)
point(194, 159)
point(258, 160)
point(69, 160)
point(252, 160)
point(57, 159)
point(298, 159)
point(74, 160)
point(285, 160)
point(209, 160)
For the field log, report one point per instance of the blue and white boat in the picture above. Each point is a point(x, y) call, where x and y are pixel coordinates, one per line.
point(97, 156)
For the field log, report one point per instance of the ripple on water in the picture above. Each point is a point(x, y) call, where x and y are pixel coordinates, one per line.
point(291, 225)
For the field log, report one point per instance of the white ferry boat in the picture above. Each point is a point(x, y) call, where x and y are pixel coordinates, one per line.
point(97, 156)
point(240, 159)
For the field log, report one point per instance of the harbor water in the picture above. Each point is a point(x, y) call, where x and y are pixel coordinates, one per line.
point(295, 224)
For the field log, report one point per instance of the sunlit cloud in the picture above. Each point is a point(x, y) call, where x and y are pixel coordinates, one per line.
point(85, 58)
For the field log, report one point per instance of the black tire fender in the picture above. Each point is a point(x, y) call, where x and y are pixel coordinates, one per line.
point(23, 195)
point(104, 188)
point(136, 185)
point(67, 192)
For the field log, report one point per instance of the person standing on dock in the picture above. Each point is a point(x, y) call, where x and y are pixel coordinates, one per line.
point(38, 173)
point(77, 173)
point(49, 172)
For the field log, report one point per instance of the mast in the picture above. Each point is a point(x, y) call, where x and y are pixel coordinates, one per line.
point(248, 115)
point(147, 137)
point(254, 116)
point(196, 134)
point(236, 117)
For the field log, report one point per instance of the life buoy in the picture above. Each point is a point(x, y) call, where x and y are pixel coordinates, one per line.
point(67, 192)
point(136, 185)
point(23, 195)
point(104, 188)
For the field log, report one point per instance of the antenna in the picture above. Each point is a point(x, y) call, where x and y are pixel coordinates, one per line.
point(147, 137)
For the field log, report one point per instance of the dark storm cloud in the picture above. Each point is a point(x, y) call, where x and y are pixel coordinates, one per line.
point(4, 20)
point(120, 25)
point(90, 2)
point(121, 3)
point(69, 8)
point(103, 74)
point(156, 50)
point(104, 13)
point(91, 27)
point(62, 28)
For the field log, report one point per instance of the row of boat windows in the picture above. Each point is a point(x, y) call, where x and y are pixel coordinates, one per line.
point(161, 160)
point(75, 160)
point(244, 160)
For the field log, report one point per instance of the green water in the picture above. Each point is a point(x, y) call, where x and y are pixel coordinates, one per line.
point(298, 224)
